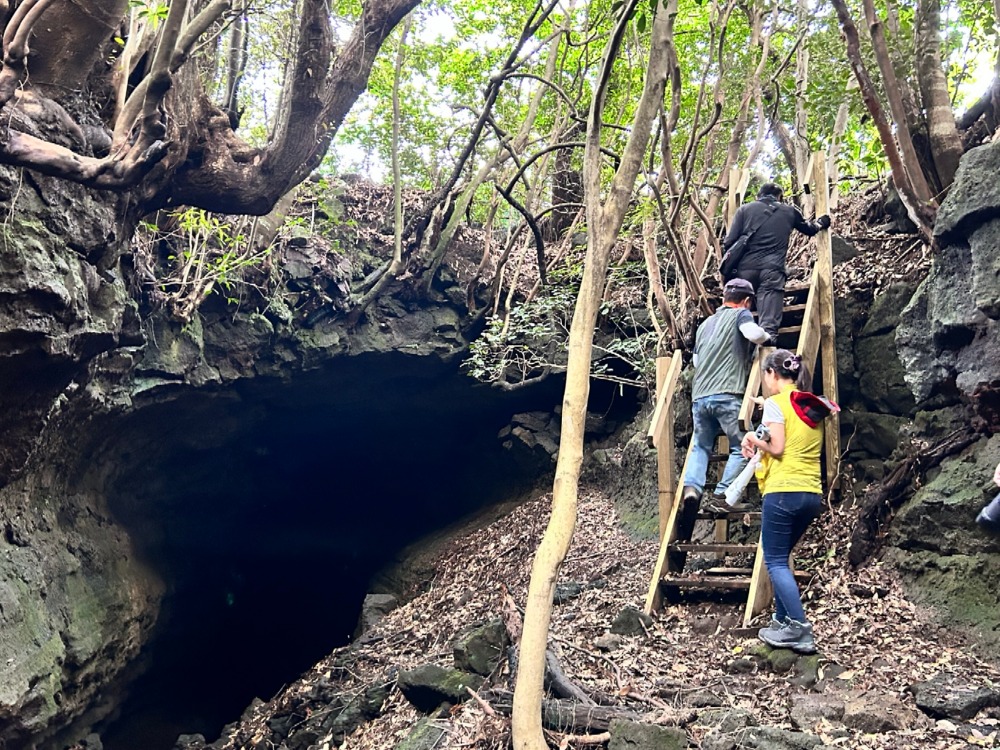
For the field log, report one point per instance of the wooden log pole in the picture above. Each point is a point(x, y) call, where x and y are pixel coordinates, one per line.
point(828, 327)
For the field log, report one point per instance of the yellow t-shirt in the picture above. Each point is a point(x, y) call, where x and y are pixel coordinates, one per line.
point(798, 467)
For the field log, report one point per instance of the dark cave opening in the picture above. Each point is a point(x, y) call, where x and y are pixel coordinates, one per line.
point(267, 510)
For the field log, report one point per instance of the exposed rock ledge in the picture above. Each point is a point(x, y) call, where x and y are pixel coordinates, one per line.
point(91, 390)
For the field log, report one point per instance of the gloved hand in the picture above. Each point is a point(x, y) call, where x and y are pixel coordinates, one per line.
point(823, 222)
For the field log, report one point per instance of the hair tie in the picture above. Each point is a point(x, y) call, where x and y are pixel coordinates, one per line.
point(793, 363)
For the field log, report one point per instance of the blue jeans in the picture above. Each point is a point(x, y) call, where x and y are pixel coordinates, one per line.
point(712, 414)
point(786, 517)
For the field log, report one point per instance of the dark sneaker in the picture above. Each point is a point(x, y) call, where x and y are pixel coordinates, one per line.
point(798, 636)
point(717, 504)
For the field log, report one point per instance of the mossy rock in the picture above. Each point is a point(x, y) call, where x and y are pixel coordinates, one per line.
point(425, 735)
point(430, 685)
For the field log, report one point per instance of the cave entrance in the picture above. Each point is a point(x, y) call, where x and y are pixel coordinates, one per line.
point(267, 508)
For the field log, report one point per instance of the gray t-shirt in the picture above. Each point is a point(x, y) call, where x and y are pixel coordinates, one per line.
point(723, 354)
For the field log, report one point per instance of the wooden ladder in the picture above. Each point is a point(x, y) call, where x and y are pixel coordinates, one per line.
point(807, 327)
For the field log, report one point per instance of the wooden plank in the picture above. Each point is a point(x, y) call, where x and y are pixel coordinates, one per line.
point(788, 330)
point(754, 385)
point(792, 308)
point(745, 572)
point(733, 514)
point(654, 597)
point(727, 547)
point(668, 372)
point(761, 593)
point(828, 332)
point(721, 531)
point(666, 478)
point(661, 434)
point(809, 336)
point(693, 582)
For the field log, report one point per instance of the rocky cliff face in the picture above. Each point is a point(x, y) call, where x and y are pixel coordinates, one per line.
point(949, 346)
point(119, 426)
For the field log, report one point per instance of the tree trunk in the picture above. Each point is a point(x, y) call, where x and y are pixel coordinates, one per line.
point(801, 140)
point(893, 93)
point(946, 145)
point(920, 213)
point(603, 223)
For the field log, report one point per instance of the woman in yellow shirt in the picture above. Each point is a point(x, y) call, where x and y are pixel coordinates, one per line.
point(789, 475)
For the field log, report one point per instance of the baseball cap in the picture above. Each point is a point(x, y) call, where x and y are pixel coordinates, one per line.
point(739, 285)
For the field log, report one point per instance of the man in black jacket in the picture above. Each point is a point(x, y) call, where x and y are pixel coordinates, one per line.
point(763, 261)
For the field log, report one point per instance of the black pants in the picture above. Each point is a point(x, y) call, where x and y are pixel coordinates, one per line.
point(770, 287)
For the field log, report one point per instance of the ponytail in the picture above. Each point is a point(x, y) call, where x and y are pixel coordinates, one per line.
point(789, 366)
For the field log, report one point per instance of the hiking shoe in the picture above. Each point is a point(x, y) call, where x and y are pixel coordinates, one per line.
point(772, 629)
point(717, 505)
point(798, 636)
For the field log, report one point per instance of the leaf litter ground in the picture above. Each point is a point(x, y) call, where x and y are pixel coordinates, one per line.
point(872, 640)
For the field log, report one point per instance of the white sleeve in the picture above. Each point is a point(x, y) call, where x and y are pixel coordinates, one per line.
point(753, 332)
point(772, 413)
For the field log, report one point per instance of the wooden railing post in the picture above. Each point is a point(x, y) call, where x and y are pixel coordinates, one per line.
point(661, 434)
point(828, 327)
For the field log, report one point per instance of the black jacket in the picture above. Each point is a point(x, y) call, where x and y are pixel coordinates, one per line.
point(769, 243)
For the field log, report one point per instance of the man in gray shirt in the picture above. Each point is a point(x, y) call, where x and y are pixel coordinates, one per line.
point(722, 359)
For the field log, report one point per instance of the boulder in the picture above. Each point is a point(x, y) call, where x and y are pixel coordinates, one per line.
point(876, 434)
point(975, 193)
point(425, 735)
point(944, 338)
point(430, 685)
point(631, 621)
point(809, 709)
point(373, 609)
point(983, 243)
point(631, 735)
point(727, 720)
point(876, 713)
point(940, 516)
point(760, 738)
point(884, 314)
point(945, 697)
point(882, 379)
point(479, 649)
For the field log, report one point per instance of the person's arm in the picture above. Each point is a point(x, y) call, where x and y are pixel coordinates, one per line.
point(774, 420)
point(996, 475)
point(735, 229)
point(750, 330)
point(810, 228)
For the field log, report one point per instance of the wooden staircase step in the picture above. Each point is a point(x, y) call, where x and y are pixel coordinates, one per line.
point(793, 308)
point(789, 329)
point(728, 572)
point(700, 582)
point(750, 515)
point(713, 547)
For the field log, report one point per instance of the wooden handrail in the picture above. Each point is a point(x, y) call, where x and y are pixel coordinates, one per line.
point(664, 398)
